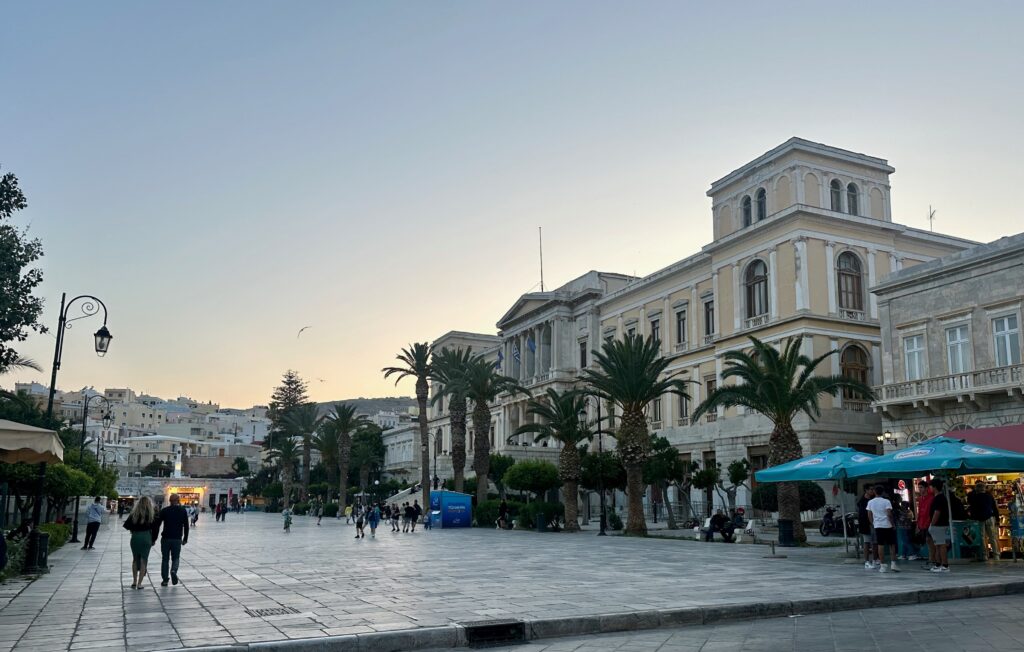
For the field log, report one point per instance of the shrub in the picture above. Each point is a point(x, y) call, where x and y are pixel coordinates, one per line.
point(614, 521)
point(300, 509)
point(765, 497)
point(331, 510)
point(486, 513)
point(553, 514)
point(15, 559)
point(59, 534)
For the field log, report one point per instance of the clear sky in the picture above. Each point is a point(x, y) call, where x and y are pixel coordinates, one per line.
point(223, 174)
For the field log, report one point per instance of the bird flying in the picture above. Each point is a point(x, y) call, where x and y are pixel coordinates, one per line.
point(302, 329)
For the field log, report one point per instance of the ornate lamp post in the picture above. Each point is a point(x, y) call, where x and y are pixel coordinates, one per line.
point(600, 476)
point(81, 449)
point(90, 306)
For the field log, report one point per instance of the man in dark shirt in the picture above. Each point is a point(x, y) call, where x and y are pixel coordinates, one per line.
point(939, 528)
point(982, 508)
point(174, 520)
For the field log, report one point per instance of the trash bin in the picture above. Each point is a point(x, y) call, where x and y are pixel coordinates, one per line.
point(786, 538)
point(542, 525)
point(43, 558)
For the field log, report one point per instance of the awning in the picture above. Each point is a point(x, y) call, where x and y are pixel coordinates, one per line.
point(23, 443)
point(1009, 438)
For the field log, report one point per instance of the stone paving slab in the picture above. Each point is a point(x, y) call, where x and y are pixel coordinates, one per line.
point(415, 589)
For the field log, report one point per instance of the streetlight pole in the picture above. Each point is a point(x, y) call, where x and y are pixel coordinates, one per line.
point(600, 475)
point(90, 306)
point(81, 450)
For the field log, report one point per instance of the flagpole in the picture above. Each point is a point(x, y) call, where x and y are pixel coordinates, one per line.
point(540, 241)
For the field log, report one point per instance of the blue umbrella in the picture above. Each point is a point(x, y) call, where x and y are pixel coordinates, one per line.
point(938, 455)
point(831, 464)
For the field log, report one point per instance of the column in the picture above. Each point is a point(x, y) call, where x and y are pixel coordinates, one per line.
point(876, 365)
point(555, 331)
point(895, 263)
point(830, 275)
point(798, 185)
point(715, 298)
point(872, 299)
point(619, 331)
point(736, 303)
point(692, 312)
point(668, 323)
point(695, 388)
point(833, 345)
point(823, 190)
point(800, 259)
point(718, 380)
point(523, 353)
point(642, 327)
point(773, 286)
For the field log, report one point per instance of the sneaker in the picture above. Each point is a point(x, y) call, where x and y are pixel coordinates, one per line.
point(868, 565)
point(883, 569)
point(174, 579)
point(940, 569)
point(85, 547)
point(164, 583)
point(893, 568)
point(913, 558)
point(901, 558)
point(876, 563)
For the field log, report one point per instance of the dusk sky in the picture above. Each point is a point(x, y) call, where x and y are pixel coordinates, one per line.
point(224, 174)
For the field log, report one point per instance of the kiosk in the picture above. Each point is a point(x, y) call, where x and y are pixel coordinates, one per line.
point(450, 509)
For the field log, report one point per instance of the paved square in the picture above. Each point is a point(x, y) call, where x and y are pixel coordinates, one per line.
point(336, 584)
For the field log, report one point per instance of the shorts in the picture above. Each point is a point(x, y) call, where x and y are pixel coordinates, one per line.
point(885, 536)
point(939, 534)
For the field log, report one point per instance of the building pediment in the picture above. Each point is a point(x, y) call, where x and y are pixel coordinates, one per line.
point(525, 305)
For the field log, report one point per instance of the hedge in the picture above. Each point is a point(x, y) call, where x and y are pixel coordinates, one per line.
point(486, 513)
point(59, 534)
point(553, 513)
point(331, 510)
point(15, 559)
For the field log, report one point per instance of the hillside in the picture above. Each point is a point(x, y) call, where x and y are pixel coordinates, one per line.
point(374, 405)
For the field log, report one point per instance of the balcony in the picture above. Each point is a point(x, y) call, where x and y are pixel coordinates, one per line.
point(709, 339)
point(683, 421)
point(852, 315)
point(710, 417)
point(680, 347)
point(972, 387)
point(756, 322)
point(855, 405)
point(655, 425)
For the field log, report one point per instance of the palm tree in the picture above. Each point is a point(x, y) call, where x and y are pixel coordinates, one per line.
point(416, 363)
point(779, 385)
point(563, 419)
point(345, 423)
point(287, 455)
point(631, 374)
point(448, 366)
point(481, 383)
point(326, 441)
point(304, 421)
point(17, 363)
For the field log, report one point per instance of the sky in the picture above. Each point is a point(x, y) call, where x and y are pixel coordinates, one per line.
point(224, 174)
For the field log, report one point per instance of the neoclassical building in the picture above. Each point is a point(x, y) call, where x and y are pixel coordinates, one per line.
point(800, 235)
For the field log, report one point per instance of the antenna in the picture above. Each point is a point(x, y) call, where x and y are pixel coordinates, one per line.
point(540, 240)
point(931, 218)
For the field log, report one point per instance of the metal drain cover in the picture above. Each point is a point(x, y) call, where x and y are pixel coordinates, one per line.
point(273, 611)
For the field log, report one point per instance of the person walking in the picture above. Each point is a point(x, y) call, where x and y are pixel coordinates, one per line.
point(174, 520)
point(360, 534)
point(348, 514)
point(924, 518)
point(319, 514)
point(120, 510)
point(407, 516)
point(502, 523)
point(287, 514)
point(982, 508)
point(417, 511)
point(867, 532)
point(144, 526)
point(194, 514)
point(939, 528)
point(93, 519)
point(396, 518)
point(883, 522)
point(373, 518)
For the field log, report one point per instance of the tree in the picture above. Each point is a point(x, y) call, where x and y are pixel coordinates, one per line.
point(287, 455)
point(19, 309)
point(481, 383)
point(416, 364)
point(664, 468)
point(303, 420)
point(158, 469)
point(706, 479)
point(737, 473)
point(535, 476)
point(765, 496)
point(631, 374)
point(63, 482)
point(367, 453)
point(561, 416)
point(326, 441)
point(345, 423)
point(779, 385)
point(240, 467)
point(496, 467)
point(448, 365)
point(287, 396)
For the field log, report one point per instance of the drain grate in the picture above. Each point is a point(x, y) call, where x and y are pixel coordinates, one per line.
point(273, 611)
point(494, 632)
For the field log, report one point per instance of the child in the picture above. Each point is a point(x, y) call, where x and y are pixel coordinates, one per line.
point(287, 513)
point(359, 524)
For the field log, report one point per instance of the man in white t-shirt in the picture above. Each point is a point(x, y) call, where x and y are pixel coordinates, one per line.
point(881, 517)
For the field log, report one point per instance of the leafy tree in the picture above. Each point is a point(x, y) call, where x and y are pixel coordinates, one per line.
point(62, 484)
point(304, 420)
point(19, 309)
point(482, 384)
point(367, 453)
point(665, 468)
point(325, 440)
point(240, 467)
point(779, 385)
point(631, 373)
point(287, 396)
point(707, 478)
point(158, 469)
point(601, 467)
point(765, 496)
point(447, 366)
point(496, 468)
point(416, 364)
point(535, 476)
point(287, 455)
point(345, 423)
point(560, 416)
point(257, 484)
point(737, 473)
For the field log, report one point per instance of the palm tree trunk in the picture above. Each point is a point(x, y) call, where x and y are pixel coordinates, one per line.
point(344, 452)
point(669, 516)
point(307, 455)
point(286, 485)
point(634, 444)
point(569, 473)
point(481, 448)
point(458, 452)
point(422, 390)
point(784, 446)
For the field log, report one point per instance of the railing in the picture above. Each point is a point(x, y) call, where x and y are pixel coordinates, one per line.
point(853, 315)
point(855, 405)
point(683, 421)
point(655, 425)
point(711, 417)
point(997, 378)
point(680, 346)
point(756, 322)
point(709, 338)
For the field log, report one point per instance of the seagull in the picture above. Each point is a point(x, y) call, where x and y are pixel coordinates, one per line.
point(321, 380)
point(302, 329)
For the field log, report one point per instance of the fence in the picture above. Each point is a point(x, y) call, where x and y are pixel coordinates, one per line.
point(698, 510)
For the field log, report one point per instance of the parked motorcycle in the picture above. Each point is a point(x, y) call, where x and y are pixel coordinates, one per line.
point(830, 522)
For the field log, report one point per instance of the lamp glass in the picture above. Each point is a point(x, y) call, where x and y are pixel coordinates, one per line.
point(107, 420)
point(103, 338)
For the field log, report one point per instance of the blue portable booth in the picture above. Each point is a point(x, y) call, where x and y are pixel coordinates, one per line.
point(450, 509)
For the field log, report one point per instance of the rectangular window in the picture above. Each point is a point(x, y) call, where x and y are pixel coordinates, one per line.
point(709, 317)
point(710, 383)
point(684, 407)
point(913, 350)
point(656, 409)
point(583, 355)
point(957, 349)
point(680, 327)
point(656, 330)
point(631, 330)
point(1006, 334)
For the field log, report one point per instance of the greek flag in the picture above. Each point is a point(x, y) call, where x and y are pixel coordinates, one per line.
point(530, 344)
point(515, 352)
point(501, 358)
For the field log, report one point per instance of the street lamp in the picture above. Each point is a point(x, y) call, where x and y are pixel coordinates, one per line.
point(600, 472)
point(890, 438)
point(90, 306)
point(81, 448)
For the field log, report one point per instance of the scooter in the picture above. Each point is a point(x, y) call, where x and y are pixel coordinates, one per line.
point(830, 522)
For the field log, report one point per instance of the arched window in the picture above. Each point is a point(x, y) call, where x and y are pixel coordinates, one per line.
point(746, 210)
point(850, 280)
point(762, 205)
point(837, 194)
point(854, 365)
point(756, 281)
point(851, 199)
point(916, 438)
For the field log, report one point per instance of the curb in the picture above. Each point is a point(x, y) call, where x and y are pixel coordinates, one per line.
point(454, 636)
